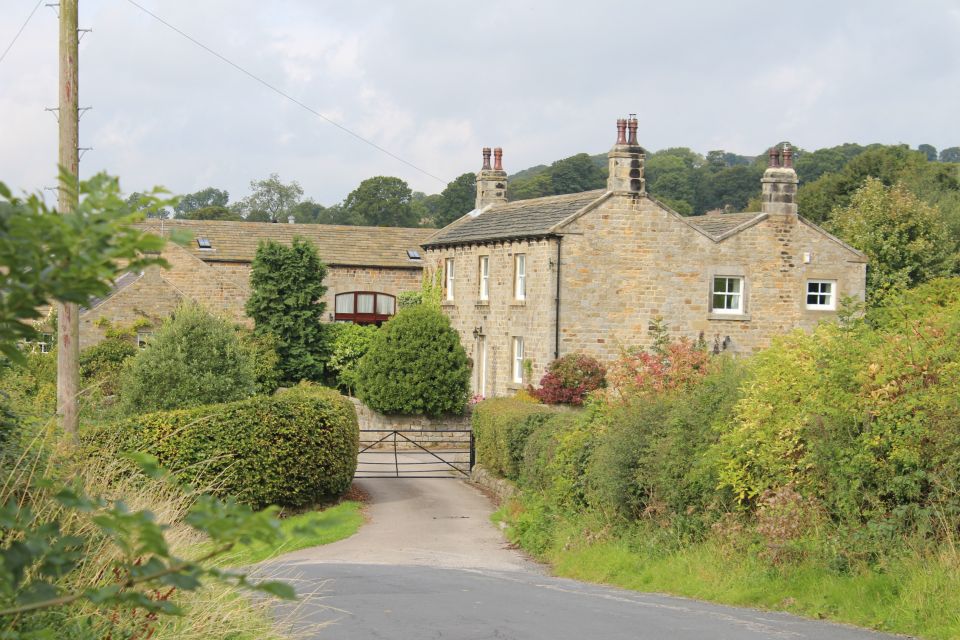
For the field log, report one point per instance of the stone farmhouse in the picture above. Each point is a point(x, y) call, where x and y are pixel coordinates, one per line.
point(526, 282)
point(210, 264)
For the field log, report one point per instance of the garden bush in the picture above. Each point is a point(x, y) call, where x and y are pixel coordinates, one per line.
point(101, 364)
point(293, 449)
point(193, 359)
point(262, 348)
point(570, 378)
point(501, 427)
point(350, 343)
point(415, 365)
point(650, 458)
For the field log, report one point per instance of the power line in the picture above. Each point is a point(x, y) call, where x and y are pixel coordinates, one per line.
point(284, 94)
point(22, 27)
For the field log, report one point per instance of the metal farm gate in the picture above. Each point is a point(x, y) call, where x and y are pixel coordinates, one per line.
point(389, 453)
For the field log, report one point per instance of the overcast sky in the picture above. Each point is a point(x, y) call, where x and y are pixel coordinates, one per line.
point(434, 81)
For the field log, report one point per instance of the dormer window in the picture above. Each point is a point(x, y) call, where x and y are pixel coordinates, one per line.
point(204, 243)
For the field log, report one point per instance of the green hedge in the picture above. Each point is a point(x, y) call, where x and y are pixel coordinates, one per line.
point(501, 427)
point(293, 449)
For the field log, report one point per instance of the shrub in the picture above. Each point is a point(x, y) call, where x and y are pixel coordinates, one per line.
point(193, 359)
point(673, 365)
point(292, 449)
point(407, 299)
point(262, 348)
point(350, 343)
point(102, 363)
point(570, 378)
point(540, 450)
point(501, 427)
point(415, 365)
point(287, 301)
point(651, 457)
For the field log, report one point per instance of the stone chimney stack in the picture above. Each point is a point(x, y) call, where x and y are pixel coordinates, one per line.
point(626, 160)
point(491, 183)
point(780, 184)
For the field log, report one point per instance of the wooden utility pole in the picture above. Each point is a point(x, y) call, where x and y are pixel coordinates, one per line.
point(68, 313)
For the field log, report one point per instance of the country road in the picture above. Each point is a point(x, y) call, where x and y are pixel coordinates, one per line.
point(429, 564)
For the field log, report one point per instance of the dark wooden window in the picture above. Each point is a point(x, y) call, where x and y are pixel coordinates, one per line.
point(364, 307)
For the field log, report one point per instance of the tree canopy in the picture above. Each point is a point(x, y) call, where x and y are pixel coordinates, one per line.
point(381, 201)
point(270, 200)
point(209, 197)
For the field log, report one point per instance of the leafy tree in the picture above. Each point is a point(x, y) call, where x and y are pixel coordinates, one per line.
point(415, 365)
point(349, 344)
point(670, 178)
point(194, 358)
point(147, 206)
point(381, 201)
point(46, 257)
point(905, 239)
point(950, 154)
point(209, 197)
point(929, 150)
point(576, 174)
point(890, 164)
point(271, 200)
point(287, 301)
point(455, 200)
point(811, 165)
point(308, 212)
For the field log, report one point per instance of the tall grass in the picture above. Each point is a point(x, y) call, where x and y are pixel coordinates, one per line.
point(215, 611)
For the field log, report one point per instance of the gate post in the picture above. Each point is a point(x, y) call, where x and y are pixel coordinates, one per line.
point(473, 451)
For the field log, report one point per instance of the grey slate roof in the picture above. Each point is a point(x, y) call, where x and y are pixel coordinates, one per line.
point(519, 219)
point(122, 282)
point(717, 225)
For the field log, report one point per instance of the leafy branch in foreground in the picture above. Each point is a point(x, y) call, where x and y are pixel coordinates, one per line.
point(35, 552)
point(71, 258)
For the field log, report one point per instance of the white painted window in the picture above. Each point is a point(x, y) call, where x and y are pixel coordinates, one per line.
point(821, 295)
point(448, 270)
point(518, 359)
point(727, 294)
point(143, 337)
point(484, 277)
point(520, 276)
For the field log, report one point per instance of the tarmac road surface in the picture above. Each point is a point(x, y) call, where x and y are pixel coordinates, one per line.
point(430, 564)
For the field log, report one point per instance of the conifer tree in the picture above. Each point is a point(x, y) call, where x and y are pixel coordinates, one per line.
point(287, 301)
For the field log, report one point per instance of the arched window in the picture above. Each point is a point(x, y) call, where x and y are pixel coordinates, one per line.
point(364, 307)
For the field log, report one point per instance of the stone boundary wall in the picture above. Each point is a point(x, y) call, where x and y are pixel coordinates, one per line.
point(421, 429)
point(501, 488)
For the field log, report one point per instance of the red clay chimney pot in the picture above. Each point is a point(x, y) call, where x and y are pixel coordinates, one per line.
point(498, 159)
point(632, 125)
point(486, 158)
point(621, 131)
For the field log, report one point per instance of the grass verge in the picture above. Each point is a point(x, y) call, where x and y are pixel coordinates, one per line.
point(915, 592)
point(310, 529)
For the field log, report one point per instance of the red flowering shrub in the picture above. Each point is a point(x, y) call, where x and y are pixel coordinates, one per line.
point(676, 365)
point(569, 379)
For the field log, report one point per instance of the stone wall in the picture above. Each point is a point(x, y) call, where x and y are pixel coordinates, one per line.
point(629, 261)
point(149, 298)
point(342, 279)
point(420, 429)
point(502, 317)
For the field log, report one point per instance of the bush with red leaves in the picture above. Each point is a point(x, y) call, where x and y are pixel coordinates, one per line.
point(569, 379)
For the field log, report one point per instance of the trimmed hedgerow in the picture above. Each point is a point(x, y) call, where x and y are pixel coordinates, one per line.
point(570, 378)
point(293, 449)
point(501, 427)
point(415, 365)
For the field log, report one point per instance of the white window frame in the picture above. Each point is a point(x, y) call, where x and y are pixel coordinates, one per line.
point(484, 273)
point(449, 270)
point(520, 276)
point(143, 337)
point(739, 294)
point(831, 295)
point(517, 376)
